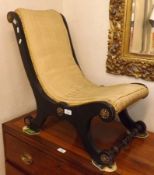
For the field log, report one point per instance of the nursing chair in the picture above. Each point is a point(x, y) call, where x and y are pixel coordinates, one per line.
point(60, 87)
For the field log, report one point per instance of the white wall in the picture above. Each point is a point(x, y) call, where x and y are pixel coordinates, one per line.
point(88, 23)
point(16, 97)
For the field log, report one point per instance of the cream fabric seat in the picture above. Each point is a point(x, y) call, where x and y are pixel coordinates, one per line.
point(60, 77)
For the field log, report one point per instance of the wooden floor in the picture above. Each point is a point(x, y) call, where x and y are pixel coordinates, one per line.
point(137, 159)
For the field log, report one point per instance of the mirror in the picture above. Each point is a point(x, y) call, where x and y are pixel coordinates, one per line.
point(142, 27)
point(131, 38)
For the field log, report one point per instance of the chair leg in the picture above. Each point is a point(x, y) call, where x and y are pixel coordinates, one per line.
point(130, 124)
point(36, 123)
point(102, 159)
point(105, 159)
point(44, 109)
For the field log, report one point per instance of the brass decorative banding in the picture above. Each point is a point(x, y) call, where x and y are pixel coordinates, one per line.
point(104, 114)
point(60, 111)
point(105, 158)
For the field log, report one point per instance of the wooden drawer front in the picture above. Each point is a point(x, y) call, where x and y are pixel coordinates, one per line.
point(11, 170)
point(67, 169)
point(30, 159)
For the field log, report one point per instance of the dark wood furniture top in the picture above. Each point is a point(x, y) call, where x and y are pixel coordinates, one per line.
point(38, 155)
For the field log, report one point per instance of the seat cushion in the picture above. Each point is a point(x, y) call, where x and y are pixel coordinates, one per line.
point(56, 70)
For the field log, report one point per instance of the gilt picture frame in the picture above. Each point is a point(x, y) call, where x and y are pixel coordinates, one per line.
point(120, 61)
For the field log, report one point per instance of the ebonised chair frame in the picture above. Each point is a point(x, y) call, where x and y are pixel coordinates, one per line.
point(82, 115)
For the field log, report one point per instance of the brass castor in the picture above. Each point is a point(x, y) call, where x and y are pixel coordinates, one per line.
point(28, 120)
point(142, 130)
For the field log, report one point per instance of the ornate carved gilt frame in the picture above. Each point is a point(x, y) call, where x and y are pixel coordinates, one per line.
point(119, 60)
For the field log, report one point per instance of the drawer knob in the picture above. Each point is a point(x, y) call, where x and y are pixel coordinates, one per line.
point(26, 158)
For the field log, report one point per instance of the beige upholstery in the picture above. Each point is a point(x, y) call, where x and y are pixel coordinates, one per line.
point(56, 69)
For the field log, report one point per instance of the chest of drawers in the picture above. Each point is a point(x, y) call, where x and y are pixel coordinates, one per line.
point(57, 150)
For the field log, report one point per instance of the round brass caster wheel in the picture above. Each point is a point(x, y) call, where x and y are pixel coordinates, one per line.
point(108, 169)
point(28, 120)
point(142, 130)
point(142, 135)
